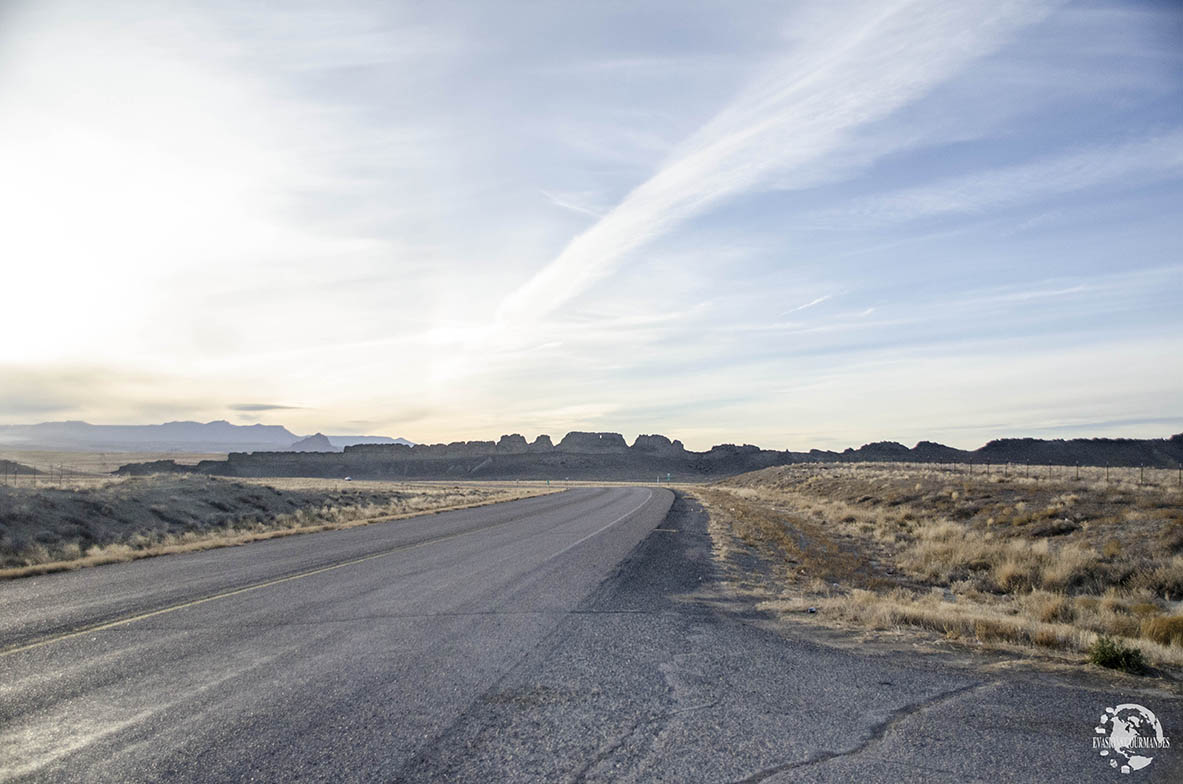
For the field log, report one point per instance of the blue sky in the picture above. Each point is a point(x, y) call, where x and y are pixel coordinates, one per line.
point(797, 225)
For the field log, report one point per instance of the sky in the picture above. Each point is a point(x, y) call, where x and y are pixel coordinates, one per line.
point(798, 225)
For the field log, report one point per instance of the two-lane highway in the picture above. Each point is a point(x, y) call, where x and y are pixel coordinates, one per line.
point(577, 637)
point(329, 656)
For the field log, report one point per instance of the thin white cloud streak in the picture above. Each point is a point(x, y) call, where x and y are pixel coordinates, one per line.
point(868, 65)
point(982, 304)
point(1131, 164)
point(568, 203)
point(810, 304)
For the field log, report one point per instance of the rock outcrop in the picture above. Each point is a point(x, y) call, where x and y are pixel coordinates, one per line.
point(931, 452)
point(882, 450)
point(658, 445)
point(576, 441)
point(512, 445)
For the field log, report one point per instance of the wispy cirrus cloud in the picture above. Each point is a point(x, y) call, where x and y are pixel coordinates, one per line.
point(1130, 164)
point(572, 202)
point(327, 206)
point(812, 303)
point(867, 65)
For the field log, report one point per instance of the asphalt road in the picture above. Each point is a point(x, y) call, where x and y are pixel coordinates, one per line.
point(582, 636)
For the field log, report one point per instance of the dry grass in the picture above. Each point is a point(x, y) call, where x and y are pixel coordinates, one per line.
point(46, 530)
point(998, 560)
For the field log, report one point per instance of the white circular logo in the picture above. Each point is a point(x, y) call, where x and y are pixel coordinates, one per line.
point(1125, 735)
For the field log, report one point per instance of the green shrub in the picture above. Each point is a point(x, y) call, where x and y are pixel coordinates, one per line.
point(1107, 652)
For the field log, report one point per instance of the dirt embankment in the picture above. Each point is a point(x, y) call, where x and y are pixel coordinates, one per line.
point(1000, 560)
point(45, 529)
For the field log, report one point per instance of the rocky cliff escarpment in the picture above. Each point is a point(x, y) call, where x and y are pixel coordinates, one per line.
point(606, 456)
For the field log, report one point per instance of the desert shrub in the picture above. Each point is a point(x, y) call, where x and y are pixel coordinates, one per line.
point(1164, 629)
point(1048, 607)
point(1104, 616)
point(1013, 574)
point(1172, 537)
point(1107, 652)
point(1051, 637)
point(1145, 609)
point(47, 537)
point(1166, 579)
point(1071, 566)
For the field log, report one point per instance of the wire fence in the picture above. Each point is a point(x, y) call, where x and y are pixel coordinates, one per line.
point(27, 474)
point(1023, 471)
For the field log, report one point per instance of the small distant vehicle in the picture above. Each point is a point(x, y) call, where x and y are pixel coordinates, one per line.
point(349, 479)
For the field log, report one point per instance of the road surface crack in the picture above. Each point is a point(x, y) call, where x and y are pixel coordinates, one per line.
point(642, 722)
point(877, 733)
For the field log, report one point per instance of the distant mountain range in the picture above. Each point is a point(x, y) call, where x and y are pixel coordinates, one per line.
point(218, 436)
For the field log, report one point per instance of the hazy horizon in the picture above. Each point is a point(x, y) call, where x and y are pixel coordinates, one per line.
point(836, 224)
point(556, 436)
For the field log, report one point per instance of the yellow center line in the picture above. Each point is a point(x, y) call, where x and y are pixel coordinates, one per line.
point(245, 589)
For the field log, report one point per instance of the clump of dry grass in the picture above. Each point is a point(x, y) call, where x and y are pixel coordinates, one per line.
point(1000, 560)
point(1164, 630)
